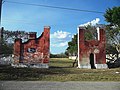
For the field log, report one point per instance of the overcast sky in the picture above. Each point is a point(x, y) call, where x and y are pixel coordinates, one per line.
point(63, 23)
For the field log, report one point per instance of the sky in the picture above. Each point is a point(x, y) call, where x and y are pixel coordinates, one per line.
point(63, 22)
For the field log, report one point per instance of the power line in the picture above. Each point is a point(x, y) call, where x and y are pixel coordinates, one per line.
point(48, 6)
point(21, 21)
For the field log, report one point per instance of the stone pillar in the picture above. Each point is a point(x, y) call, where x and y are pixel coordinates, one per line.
point(82, 60)
point(101, 56)
point(81, 35)
point(17, 51)
point(103, 45)
point(102, 35)
point(46, 51)
point(98, 33)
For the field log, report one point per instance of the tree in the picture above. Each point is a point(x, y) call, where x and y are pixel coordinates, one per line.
point(8, 39)
point(14, 35)
point(6, 48)
point(112, 16)
point(72, 46)
point(61, 55)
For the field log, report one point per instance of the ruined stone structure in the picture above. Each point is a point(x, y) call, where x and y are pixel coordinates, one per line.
point(91, 53)
point(34, 52)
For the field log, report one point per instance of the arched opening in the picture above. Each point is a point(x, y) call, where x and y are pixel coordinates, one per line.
point(92, 61)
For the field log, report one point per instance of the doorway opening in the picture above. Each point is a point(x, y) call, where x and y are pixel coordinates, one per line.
point(92, 61)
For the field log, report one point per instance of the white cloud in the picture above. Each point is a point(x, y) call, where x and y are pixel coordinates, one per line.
point(63, 44)
point(60, 39)
point(93, 22)
point(60, 34)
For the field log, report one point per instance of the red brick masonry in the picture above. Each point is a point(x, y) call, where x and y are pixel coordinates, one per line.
point(91, 52)
point(35, 50)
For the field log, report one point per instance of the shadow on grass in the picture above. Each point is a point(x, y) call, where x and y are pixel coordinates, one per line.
point(11, 73)
point(57, 73)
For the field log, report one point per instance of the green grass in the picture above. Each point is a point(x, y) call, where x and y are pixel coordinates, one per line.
point(60, 70)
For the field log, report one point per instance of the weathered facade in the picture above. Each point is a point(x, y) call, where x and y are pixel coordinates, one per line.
point(34, 52)
point(91, 53)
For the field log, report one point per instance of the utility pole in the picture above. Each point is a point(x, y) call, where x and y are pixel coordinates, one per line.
point(0, 11)
point(0, 27)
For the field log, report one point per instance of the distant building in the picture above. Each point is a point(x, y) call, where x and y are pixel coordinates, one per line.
point(34, 52)
point(72, 57)
point(91, 53)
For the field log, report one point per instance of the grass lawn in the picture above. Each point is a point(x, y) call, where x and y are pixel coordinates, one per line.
point(60, 70)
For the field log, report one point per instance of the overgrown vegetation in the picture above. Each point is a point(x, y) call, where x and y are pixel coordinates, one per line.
point(60, 70)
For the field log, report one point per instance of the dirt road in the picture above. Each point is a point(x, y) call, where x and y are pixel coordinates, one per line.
point(47, 85)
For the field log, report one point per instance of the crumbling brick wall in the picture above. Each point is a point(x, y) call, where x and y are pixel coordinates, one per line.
point(35, 50)
point(91, 53)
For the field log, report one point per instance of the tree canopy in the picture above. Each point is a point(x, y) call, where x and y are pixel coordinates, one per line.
point(72, 46)
point(8, 39)
point(112, 16)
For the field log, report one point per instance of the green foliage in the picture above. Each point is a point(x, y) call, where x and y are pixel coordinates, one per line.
point(72, 46)
point(112, 16)
point(13, 34)
point(6, 48)
point(90, 33)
